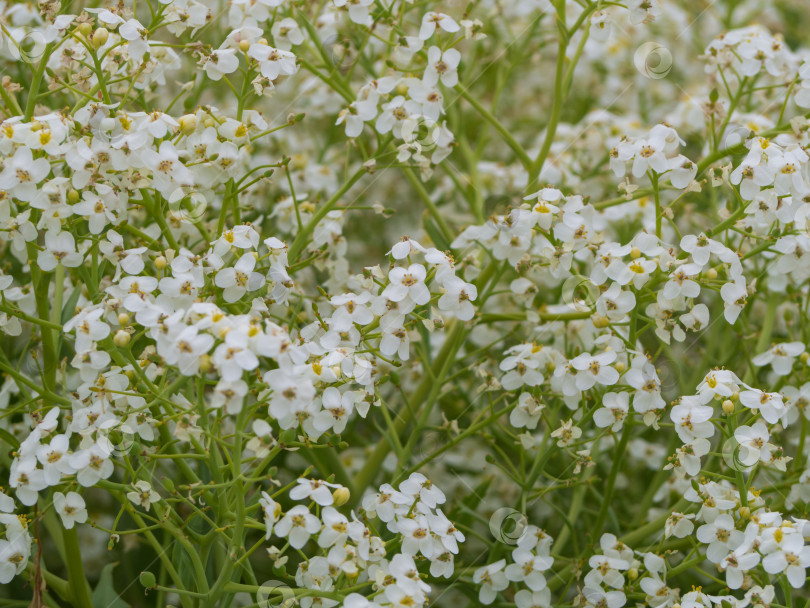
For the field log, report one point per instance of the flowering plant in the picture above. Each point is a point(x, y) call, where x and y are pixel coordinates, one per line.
point(376, 303)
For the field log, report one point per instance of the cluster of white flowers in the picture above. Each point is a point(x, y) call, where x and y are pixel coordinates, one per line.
point(215, 366)
point(353, 550)
point(530, 559)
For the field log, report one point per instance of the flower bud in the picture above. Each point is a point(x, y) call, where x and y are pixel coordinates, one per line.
point(85, 28)
point(632, 573)
point(205, 363)
point(341, 496)
point(100, 37)
point(635, 253)
point(745, 513)
point(72, 196)
point(728, 406)
point(804, 357)
point(188, 123)
point(148, 580)
point(600, 321)
point(160, 262)
point(123, 318)
point(620, 366)
point(711, 274)
point(244, 46)
point(121, 338)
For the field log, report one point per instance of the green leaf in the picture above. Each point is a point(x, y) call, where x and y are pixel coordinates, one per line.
point(10, 439)
point(436, 235)
point(104, 595)
point(471, 502)
point(69, 309)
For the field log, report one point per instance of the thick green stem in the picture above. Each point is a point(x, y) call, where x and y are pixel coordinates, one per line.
point(79, 589)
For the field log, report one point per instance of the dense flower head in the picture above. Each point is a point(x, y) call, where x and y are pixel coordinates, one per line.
point(394, 304)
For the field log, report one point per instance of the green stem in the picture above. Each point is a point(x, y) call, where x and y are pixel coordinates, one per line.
point(502, 131)
point(36, 81)
point(621, 448)
point(431, 207)
point(79, 588)
point(303, 235)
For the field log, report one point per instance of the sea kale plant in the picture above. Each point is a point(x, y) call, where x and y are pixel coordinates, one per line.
point(404, 303)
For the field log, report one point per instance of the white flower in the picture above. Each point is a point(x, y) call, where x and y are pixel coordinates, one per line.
point(527, 412)
point(233, 356)
point(273, 62)
point(598, 597)
point(457, 299)
point(615, 303)
point(692, 420)
point(721, 536)
point(14, 554)
point(567, 434)
point(21, 174)
point(492, 579)
point(792, 558)
point(271, 510)
point(528, 568)
point(143, 494)
point(407, 283)
point(681, 171)
point(679, 525)
point(60, 248)
point(701, 247)
point(239, 279)
point(770, 405)
point(26, 480)
point(54, 459)
point(533, 599)
point(358, 10)
point(442, 65)
point(432, 22)
point(335, 528)
point(615, 407)
point(753, 443)
point(315, 490)
point(780, 356)
point(298, 524)
point(185, 350)
point(595, 369)
point(71, 508)
point(419, 486)
point(220, 63)
point(680, 284)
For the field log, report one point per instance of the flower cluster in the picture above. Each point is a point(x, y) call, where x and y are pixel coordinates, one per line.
point(274, 272)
